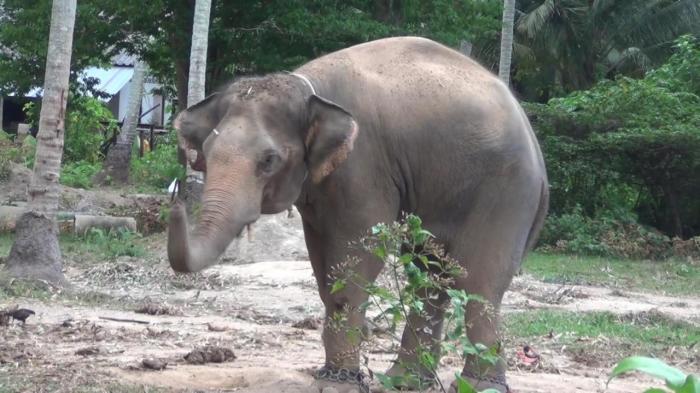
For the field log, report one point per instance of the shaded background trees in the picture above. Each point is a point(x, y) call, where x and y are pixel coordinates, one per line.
point(613, 89)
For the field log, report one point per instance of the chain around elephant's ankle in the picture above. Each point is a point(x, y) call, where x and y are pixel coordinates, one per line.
point(498, 380)
point(343, 375)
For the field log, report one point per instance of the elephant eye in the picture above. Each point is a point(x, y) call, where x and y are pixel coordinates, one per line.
point(269, 163)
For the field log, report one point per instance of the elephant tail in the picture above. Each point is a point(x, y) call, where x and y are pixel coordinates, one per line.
point(538, 223)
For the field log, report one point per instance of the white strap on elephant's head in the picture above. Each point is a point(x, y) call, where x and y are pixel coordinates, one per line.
point(305, 80)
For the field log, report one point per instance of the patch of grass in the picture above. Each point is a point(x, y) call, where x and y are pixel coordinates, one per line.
point(105, 244)
point(6, 240)
point(672, 276)
point(640, 333)
point(96, 246)
point(13, 288)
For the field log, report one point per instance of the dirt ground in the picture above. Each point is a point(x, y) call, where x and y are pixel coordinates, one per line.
point(91, 334)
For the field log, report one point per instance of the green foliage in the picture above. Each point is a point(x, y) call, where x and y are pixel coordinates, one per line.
point(675, 379)
point(630, 146)
point(79, 174)
point(604, 235)
point(87, 124)
point(158, 167)
point(24, 33)
point(11, 152)
point(415, 265)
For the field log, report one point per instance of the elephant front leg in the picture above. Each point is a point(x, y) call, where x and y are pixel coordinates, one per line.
point(422, 333)
point(343, 333)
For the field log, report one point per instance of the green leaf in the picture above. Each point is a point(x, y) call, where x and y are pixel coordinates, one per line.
point(691, 385)
point(655, 390)
point(675, 379)
point(388, 382)
point(338, 286)
point(463, 386)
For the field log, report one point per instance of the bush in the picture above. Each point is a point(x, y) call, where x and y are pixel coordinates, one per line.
point(608, 236)
point(10, 152)
point(629, 145)
point(88, 124)
point(79, 174)
point(158, 167)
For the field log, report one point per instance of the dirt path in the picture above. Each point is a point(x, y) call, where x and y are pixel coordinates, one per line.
point(252, 312)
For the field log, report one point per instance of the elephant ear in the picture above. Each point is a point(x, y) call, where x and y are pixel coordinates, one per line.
point(194, 125)
point(330, 137)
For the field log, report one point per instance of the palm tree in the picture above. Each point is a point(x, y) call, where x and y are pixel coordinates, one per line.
point(577, 41)
point(119, 155)
point(194, 184)
point(506, 41)
point(35, 252)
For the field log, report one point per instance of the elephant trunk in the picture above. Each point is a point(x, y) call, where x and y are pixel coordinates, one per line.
point(217, 227)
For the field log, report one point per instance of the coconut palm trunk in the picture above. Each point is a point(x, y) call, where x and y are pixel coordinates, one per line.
point(506, 41)
point(194, 181)
point(35, 252)
point(119, 155)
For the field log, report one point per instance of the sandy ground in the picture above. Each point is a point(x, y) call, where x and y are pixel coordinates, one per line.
point(250, 309)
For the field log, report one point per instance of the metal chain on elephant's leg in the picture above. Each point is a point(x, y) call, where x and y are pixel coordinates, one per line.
point(498, 380)
point(343, 375)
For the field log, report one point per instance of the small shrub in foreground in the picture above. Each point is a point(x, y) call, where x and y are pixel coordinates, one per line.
point(414, 263)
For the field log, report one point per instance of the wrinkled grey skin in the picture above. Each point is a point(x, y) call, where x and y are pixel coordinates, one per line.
point(396, 125)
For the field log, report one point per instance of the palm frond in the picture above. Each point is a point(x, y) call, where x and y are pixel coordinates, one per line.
point(531, 23)
point(633, 56)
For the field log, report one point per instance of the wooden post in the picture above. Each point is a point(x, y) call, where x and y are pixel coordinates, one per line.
point(150, 139)
point(141, 135)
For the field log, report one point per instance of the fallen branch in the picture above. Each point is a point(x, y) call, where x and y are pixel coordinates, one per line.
point(125, 320)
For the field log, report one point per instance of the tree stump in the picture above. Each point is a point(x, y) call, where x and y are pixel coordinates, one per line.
point(35, 254)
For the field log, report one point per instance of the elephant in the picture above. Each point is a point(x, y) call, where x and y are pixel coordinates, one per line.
point(358, 137)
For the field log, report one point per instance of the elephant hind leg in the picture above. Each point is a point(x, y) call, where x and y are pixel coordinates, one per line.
point(491, 246)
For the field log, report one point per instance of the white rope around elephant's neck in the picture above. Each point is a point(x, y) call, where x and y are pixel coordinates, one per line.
point(306, 81)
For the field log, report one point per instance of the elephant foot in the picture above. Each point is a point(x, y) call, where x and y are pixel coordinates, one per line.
point(405, 379)
point(340, 380)
point(480, 383)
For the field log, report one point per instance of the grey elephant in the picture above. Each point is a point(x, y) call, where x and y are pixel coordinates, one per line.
point(359, 137)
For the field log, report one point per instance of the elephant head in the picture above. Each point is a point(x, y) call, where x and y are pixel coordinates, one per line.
point(257, 141)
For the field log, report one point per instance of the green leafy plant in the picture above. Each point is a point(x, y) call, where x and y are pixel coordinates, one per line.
point(88, 124)
point(415, 265)
point(79, 174)
point(675, 379)
point(158, 167)
point(115, 243)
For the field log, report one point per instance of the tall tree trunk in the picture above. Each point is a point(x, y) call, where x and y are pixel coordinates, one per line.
point(35, 252)
point(119, 156)
point(2, 105)
point(194, 181)
point(506, 41)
